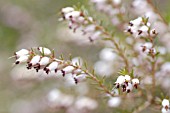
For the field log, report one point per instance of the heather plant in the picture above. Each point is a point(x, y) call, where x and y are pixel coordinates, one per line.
point(136, 63)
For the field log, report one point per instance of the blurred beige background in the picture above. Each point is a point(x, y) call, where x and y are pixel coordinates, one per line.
point(32, 23)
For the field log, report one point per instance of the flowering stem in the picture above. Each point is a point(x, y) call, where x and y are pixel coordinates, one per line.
point(93, 77)
point(153, 78)
point(105, 89)
point(118, 48)
point(121, 54)
point(153, 64)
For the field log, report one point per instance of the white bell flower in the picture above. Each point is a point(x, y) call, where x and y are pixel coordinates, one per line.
point(44, 61)
point(129, 88)
point(165, 103)
point(120, 80)
point(52, 67)
point(22, 59)
point(135, 82)
point(127, 78)
point(21, 52)
point(73, 14)
point(67, 10)
point(44, 50)
point(35, 60)
point(136, 22)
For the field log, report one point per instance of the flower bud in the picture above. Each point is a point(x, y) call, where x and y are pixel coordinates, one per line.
point(44, 61)
point(67, 10)
point(44, 50)
point(34, 61)
point(73, 14)
point(135, 82)
point(21, 52)
point(22, 59)
point(79, 78)
point(165, 103)
point(120, 80)
point(129, 88)
point(52, 67)
point(153, 32)
point(127, 78)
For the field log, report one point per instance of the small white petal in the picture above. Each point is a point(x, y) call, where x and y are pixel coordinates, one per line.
point(68, 69)
point(135, 81)
point(120, 80)
point(44, 61)
point(127, 78)
point(80, 77)
point(22, 52)
point(144, 28)
point(165, 102)
point(22, 59)
point(67, 10)
point(148, 45)
point(35, 60)
point(53, 66)
point(153, 32)
point(129, 88)
point(73, 14)
point(137, 21)
point(44, 50)
point(77, 61)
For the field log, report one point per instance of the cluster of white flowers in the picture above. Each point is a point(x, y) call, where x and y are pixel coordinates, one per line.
point(126, 83)
point(165, 106)
point(140, 27)
point(112, 8)
point(78, 20)
point(45, 61)
point(148, 48)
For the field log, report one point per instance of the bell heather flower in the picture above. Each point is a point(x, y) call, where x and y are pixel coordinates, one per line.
point(79, 78)
point(165, 105)
point(48, 63)
point(120, 80)
point(22, 59)
point(79, 20)
point(135, 82)
point(52, 67)
point(44, 61)
point(67, 10)
point(140, 27)
point(35, 60)
point(125, 83)
point(21, 52)
point(127, 78)
point(129, 88)
point(44, 50)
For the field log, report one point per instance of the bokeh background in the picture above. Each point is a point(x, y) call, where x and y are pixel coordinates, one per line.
point(32, 23)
